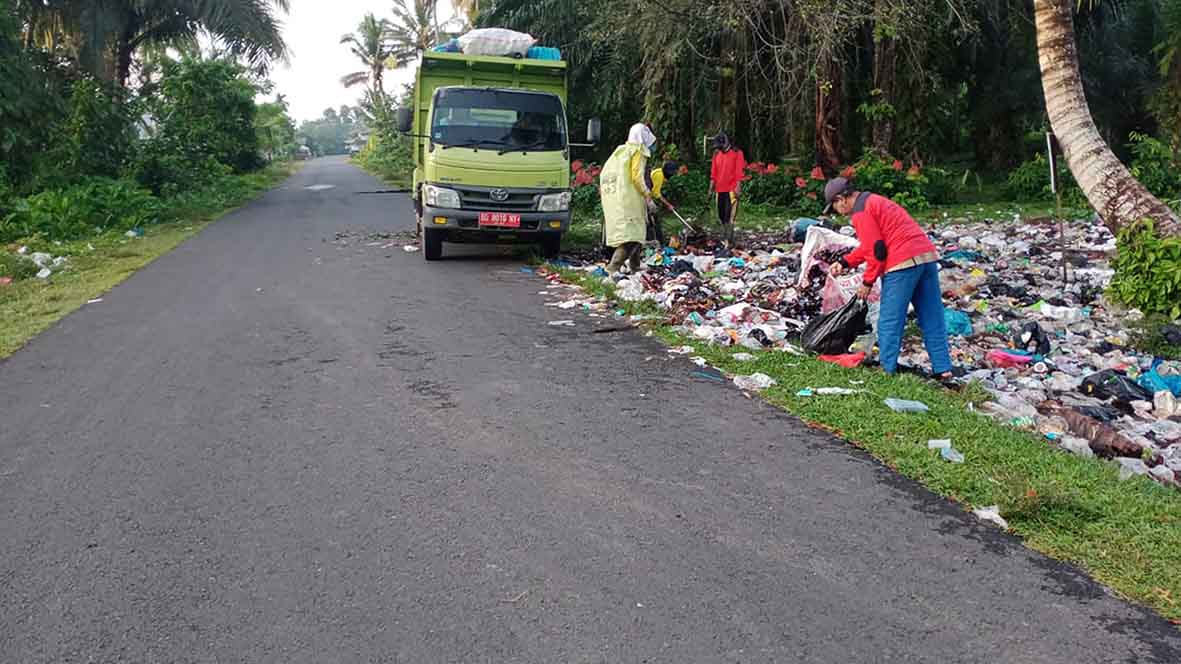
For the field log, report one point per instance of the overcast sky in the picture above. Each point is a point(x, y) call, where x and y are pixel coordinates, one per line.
point(313, 30)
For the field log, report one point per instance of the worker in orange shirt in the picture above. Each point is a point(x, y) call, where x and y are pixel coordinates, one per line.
point(729, 166)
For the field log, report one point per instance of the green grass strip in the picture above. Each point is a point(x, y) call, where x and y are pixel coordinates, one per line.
point(30, 306)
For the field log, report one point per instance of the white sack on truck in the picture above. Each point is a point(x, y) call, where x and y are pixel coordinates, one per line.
point(496, 41)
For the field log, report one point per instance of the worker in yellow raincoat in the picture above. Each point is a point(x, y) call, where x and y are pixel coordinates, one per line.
point(627, 199)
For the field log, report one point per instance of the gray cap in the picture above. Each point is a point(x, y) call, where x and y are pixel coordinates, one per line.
point(834, 188)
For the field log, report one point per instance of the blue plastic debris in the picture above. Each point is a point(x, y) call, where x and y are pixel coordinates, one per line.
point(543, 53)
point(958, 323)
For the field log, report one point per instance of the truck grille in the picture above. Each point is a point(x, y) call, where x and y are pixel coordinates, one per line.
point(480, 198)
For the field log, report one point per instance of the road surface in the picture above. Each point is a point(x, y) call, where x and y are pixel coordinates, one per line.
point(291, 441)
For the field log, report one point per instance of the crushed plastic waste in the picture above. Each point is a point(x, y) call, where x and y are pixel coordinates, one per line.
point(1042, 347)
point(992, 514)
point(905, 406)
point(754, 382)
point(951, 454)
point(743, 357)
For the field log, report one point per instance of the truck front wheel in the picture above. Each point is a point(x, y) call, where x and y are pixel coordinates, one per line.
point(432, 244)
point(551, 245)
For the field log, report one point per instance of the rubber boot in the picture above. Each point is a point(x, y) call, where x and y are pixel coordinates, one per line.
point(617, 259)
point(634, 259)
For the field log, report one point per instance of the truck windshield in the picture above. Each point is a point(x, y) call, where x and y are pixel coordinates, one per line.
point(511, 121)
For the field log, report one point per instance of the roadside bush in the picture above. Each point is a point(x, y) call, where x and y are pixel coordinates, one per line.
point(163, 167)
point(1156, 165)
point(690, 189)
point(93, 206)
point(914, 188)
point(389, 156)
point(206, 110)
point(768, 184)
point(1031, 182)
point(1148, 270)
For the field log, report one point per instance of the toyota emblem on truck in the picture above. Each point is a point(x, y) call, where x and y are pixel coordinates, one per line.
point(499, 195)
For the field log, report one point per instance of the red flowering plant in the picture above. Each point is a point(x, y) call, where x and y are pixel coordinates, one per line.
point(583, 180)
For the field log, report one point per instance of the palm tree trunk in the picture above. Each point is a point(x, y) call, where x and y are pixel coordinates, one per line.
point(1108, 185)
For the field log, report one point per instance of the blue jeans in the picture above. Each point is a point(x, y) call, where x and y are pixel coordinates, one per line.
point(918, 285)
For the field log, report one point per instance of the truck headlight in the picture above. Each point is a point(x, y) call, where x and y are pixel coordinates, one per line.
point(440, 197)
point(554, 202)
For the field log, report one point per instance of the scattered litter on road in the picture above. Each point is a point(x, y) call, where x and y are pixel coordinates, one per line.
point(680, 350)
point(1042, 346)
point(94, 301)
point(699, 361)
point(992, 514)
point(754, 382)
point(561, 323)
point(410, 248)
point(715, 377)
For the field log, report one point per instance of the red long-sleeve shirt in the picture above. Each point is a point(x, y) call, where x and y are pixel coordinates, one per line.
point(727, 170)
point(879, 218)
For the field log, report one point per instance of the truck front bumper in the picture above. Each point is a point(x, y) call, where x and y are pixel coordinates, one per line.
point(463, 224)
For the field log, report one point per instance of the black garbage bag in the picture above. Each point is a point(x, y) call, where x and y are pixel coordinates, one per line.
point(834, 332)
point(1172, 334)
point(1033, 338)
point(1101, 413)
point(1110, 384)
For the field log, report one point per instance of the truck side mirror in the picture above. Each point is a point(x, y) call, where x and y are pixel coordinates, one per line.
point(405, 120)
point(594, 130)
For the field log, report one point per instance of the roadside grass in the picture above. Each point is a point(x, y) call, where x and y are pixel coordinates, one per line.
point(393, 173)
point(1125, 534)
point(97, 264)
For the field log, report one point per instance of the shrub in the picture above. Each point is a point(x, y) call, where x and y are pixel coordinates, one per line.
point(162, 167)
point(388, 155)
point(206, 110)
point(913, 188)
point(1148, 270)
point(1156, 165)
point(1031, 182)
point(93, 206)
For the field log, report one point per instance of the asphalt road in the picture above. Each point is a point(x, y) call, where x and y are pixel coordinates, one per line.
point(291, 441)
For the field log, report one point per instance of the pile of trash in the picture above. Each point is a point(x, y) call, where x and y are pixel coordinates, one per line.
point(499, 42)
point(1053, 352)
point(24, 263)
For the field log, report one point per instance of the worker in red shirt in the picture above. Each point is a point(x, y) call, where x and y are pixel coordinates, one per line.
point(895, 248)
point(729, 165)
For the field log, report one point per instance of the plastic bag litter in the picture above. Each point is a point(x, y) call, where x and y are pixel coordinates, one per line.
point(905, 406)
point(1109, 384)
point(1032, 338)
point(818, 239)
point(992, 514)
point(848, 361)
point(1076, 445)
point(754, 382)
point(743, 357)
point(1130, 467)
point(496, 41)
point(958, 323)
point(833, 333)
point(951, 454)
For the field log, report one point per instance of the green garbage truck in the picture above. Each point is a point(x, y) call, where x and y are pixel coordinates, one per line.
point(491, 151)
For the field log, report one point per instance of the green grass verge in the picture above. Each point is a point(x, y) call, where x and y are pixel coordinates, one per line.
point(1126, 534)
point(30, 306)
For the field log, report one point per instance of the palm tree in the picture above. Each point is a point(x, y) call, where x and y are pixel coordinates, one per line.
point(104, 36)
point(371, 43)
point(414, 30)
point(1108, 185)
point(467, 8)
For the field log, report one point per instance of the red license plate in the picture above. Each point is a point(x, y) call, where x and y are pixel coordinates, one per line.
point(502, 219)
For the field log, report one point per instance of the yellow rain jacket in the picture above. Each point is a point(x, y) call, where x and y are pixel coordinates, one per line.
point(622, 188)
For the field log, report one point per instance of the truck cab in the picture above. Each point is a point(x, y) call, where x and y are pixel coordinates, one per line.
point(491, 150)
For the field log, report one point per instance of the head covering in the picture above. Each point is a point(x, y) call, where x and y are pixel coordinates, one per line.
point(722, 142)
point(670, 168)
point(835, 187)
point(640, 134)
